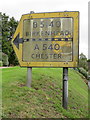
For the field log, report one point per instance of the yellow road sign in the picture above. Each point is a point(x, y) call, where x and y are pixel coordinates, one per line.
point(47, 39)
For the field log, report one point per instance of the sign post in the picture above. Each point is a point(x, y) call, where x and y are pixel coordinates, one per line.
point(65, 88)
point(48, 40)
point(29, 77)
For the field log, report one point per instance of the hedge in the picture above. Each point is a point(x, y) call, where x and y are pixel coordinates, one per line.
point(1, 64)
point(83, 72)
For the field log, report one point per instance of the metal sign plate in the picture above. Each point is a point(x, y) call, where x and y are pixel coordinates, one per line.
point(47, 39)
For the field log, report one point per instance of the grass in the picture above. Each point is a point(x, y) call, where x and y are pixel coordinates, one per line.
point(0, 92)
point(44, 98)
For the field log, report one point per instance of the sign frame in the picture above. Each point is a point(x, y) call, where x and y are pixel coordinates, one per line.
point(19, 33)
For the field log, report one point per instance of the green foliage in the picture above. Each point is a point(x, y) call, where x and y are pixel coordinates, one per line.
point(0, 55)
point(83, 61)
point(1, 64)
point(88, 60)
point(8, 28)
point(44, 98)
point(83, 72)
point(5, 59)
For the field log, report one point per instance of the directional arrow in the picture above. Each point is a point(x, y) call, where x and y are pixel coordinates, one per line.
point(18, 40)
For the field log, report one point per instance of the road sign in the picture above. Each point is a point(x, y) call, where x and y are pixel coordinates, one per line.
point(47, 39)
